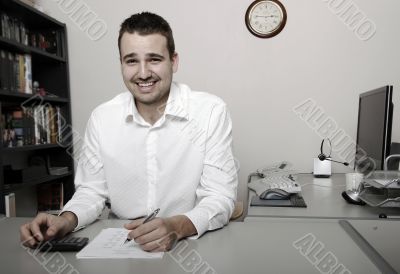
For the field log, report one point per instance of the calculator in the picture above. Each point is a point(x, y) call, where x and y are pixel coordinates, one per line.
point(64, 244)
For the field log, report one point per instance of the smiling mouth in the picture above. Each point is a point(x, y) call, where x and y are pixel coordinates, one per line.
point(146, 87)
point(146, 84)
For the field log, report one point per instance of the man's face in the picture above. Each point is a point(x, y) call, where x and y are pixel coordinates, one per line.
point(147, 68)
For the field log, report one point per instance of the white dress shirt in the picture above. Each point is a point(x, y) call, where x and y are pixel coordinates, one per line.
point(183, 164)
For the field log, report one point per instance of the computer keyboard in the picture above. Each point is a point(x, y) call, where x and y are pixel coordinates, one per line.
point(285, 182)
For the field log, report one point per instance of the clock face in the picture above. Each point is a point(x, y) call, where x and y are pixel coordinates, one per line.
point(265, 18)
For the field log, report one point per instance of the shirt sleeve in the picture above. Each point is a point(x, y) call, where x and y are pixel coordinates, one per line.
point(91, 191)
point(217, 190)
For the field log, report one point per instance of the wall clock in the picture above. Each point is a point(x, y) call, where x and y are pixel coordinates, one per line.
point(265, 18)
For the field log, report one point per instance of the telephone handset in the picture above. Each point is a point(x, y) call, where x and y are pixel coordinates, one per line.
point(276, 168)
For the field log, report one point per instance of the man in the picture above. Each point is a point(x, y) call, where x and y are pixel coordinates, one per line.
point(160, 145)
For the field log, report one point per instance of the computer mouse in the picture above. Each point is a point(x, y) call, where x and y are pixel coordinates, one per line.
point(275, 194)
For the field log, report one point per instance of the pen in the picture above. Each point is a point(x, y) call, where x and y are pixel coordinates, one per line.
point(148, 219)
point(151, 216)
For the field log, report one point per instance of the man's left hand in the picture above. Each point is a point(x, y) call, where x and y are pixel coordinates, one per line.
point(160, 234)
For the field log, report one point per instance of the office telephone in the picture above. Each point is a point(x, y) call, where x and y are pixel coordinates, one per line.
point(275, 176)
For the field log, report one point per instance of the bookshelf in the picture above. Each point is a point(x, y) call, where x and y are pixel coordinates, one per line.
point(35, 102)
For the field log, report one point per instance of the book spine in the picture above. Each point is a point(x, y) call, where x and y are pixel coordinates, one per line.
point(10, 205)
point(36, 124)
point(47, 125)
point(21, 73)
point(50, 196)
point(32, 140)
point(59, 134)
point(42, 124)
point(11, 72)
point(16, 30)
point(52, 121)
point(28, 73)
point(3, 71)
point(25, 125)
point(2, 25)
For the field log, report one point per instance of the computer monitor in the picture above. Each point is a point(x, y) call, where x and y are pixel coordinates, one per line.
point(374, 130)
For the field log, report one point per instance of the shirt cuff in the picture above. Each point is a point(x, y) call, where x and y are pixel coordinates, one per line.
point(200, 220)
point(80, 215)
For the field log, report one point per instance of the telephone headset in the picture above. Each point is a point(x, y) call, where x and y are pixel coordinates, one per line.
point(322, 156)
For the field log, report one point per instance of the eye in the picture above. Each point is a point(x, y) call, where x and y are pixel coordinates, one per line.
point(131, 61)
point(155, 60)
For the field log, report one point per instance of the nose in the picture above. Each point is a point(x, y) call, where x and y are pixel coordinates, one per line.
point(144, 71)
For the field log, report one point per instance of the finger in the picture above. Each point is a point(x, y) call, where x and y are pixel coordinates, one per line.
point(161, 248)
point(156, 246)
point(144, 229)
point(135, 234)
point(150, 246)
point(54, 225)
point(27, 238)
point(167, 243)
point(52, 231)
point(35, 230)
point(36, 224)
point(162, 245)
point(154, 235)
point(134, 224)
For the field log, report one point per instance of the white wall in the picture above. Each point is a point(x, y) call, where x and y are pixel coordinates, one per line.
point(316, 56)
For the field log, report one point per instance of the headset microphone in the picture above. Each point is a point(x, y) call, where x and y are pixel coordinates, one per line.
point(323, 157)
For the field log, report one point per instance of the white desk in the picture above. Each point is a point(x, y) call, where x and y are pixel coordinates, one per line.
point(267, 245)
point(324, 200)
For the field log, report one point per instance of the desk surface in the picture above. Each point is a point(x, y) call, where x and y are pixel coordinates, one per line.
point(323, 197)
point(374, 232)
point(262, 246)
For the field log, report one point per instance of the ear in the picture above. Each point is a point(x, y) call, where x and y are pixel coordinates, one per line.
point(175, 62)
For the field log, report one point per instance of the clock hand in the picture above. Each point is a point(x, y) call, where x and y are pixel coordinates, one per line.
point(266, 16)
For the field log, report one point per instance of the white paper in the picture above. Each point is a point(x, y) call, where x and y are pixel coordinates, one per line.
point(392, 183)
point(110, 244)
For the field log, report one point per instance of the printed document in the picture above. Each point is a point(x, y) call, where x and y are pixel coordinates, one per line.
point(110, 243)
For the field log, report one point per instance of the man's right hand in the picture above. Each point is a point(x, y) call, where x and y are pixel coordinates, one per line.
point(45, 227)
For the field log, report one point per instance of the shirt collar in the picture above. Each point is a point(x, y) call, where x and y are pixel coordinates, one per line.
point(176, 103)
point(131, 112)
point(175, 106)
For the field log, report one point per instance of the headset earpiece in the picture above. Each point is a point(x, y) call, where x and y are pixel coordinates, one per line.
point(322, 157)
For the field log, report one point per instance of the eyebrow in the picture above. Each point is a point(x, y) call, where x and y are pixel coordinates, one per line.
point(149, 55)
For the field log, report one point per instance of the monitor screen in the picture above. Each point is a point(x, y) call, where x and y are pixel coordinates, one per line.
point(374, 129)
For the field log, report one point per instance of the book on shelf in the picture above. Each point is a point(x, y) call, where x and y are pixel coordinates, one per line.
point(3, 69)
point(50, 196)
point(14, 29)
point(31, 125)
point(11, 71)
point(27, 74)
point(61, 170)
point(15, 72)
point(9, 200)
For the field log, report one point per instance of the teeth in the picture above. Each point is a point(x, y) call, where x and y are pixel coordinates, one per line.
point(146, 84)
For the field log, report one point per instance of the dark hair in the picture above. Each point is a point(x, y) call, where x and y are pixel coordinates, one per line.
point(147, 23)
